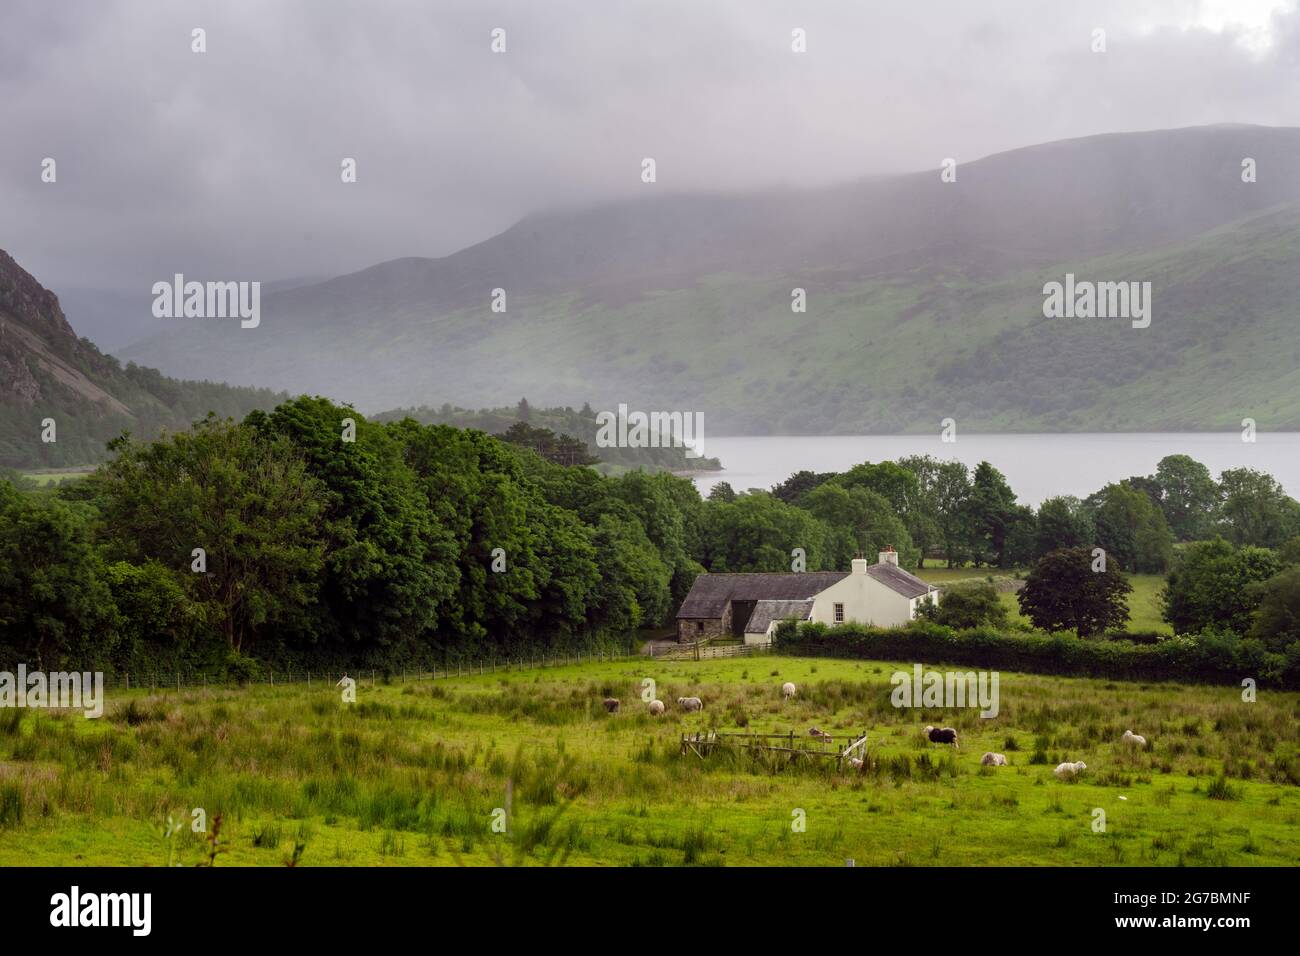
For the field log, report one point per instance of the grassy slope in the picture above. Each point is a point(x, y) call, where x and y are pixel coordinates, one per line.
point(410, 775)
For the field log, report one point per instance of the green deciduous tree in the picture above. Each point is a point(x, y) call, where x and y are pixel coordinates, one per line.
point(1063, 592)
point(1062, 523)
point(1255, 510)
point(54, 604)
point(1213, 584)
point(1277, 620)
point(1131, 529)
point(969, 605)
point(1189, 497)
point(248, 501)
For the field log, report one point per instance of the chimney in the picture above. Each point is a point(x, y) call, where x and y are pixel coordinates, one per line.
point(859, 564)
point(889, 555)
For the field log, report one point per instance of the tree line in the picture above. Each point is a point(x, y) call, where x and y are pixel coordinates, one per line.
point(309, 533)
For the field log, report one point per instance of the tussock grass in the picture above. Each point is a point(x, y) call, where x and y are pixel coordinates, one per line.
point(412, 773)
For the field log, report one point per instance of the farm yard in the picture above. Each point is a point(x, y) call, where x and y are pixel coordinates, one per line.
point(417, 773)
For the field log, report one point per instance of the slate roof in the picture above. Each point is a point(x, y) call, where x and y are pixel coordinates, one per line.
point(711, 593)
point(765, 612)
point(896, 579)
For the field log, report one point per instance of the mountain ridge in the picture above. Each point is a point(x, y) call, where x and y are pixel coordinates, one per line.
point(49, 372)
point(598, 279)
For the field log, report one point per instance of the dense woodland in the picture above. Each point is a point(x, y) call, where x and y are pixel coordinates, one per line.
point(414, 543)
point(563, 435)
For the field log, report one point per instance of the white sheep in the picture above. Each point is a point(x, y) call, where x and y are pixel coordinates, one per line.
point(1137, 740)
point(656, 708)
point(1068, 771)
point(991, 759)
point(690, 703)
point(788, 690)
point(855, 763)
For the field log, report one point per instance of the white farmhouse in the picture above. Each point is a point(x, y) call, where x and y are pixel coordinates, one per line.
point(752, 605)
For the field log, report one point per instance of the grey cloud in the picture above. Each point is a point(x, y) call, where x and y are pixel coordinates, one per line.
point(227, 164)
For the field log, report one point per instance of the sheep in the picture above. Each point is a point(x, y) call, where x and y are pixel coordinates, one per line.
point(1068, 771)
point(656, 708)
point(820, 734)
point(787, 690)
point(855, 763)
point(611, 705)
point(690, 703)
point(991, 759)
point(942, 735)
point(1137, 740)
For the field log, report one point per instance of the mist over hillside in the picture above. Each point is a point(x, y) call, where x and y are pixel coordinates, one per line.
point(924, 300)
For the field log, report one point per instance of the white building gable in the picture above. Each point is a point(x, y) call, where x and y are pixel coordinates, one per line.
point(880, 594)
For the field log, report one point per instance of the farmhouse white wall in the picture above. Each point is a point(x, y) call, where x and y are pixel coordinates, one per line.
point(866, 601)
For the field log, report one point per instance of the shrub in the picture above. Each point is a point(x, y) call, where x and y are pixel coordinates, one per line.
point(1212, 657)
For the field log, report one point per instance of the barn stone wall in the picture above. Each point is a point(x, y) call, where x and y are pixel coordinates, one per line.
point(688, 631)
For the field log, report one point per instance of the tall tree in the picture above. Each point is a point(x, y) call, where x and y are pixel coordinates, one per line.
point(989, 512)
point(1131, 529)
point(1062, 523)
point(1255, 510)
point(1213, 584)
point(249, 502)
point(54, 603)
point(1063, 592)
point(388, 566)
point(1189, 497)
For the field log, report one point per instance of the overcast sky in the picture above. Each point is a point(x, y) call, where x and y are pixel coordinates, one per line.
point(225, 165)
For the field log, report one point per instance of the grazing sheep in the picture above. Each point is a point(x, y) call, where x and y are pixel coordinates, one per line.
point(1137, 740)
point(942, 735)
point(656, 708)
point(855, 763)
point(1068, 771)
point(787, 690)
point(690, 703)
point(611, 705)
point(991, 759)
point(820, 734)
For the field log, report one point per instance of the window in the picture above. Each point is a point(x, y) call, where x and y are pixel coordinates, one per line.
point(699, 627)
point(839, 614)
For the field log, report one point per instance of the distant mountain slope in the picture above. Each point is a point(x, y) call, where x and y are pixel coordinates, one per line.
point(924, 300)
point(46, 371)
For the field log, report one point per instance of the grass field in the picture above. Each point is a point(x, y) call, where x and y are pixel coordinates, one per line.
point(57, 476)
point(411, 774)
point(1143, 603)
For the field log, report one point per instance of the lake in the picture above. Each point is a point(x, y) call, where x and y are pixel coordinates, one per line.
point(1036, 466)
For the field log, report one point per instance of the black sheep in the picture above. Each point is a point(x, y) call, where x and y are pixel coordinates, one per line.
point(941, 735)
